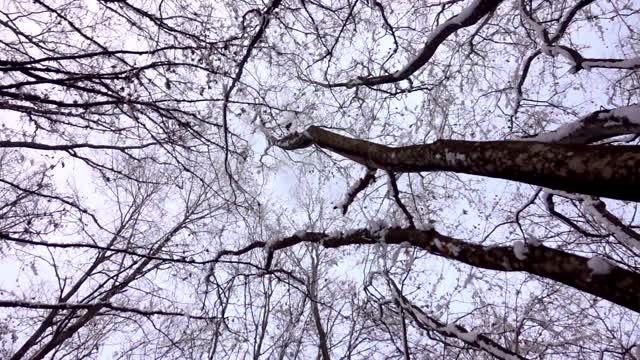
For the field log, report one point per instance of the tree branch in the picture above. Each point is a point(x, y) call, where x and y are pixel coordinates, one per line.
point(354, 190)
point(40, 146)
point(396, 197)
point(107, 305)
point(598, 170)
point(426, 322)
point(467, 17)
point(597, 126)
point(618, 286)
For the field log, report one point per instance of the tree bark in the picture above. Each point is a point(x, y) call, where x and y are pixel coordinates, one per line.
point(619, 285)
point(599, 170)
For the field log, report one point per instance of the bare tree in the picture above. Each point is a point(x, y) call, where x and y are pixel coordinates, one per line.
point(332, 179)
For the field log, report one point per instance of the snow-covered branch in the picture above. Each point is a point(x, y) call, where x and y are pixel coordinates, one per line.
point(623, 233)
point(597, 209)
point(549, 47)
point(426, 322)
point(578, 62)
point(608, 171)
point(594, 127)
point(597, 126)
point(618, 285)
point(467, 17)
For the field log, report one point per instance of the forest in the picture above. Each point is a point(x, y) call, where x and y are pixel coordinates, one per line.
point(319, 179)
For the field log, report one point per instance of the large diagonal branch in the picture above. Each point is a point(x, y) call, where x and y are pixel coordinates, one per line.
point(599, 170)
point(467, 17)
point(618, 285)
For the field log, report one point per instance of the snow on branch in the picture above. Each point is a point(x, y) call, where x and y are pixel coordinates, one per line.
point(547, 198)
point(623, 233)
point(608, 171)
point(597, 209)
point(594, 127)
point(599, 266)
point(549, 47)
point(575, 59)
point(469, 16)
point(426, 322)
point(578, 62)
point(590, 63)
point(629, 114)
point(293, 141)
point(541, 31)
point(597, 126)
point(619, 285)
point(520, 250)
point(564, 24)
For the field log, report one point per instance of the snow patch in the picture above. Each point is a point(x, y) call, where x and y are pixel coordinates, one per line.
point(424, 226)
point(468, 337)
point(557, 50)
point(438, 244)
point(398, 74)
point(520, 250)
point(558, 134)
point(269, 244)
point(599, 266)
point(539, 29)
point(353, 83)
point(454, 157)
point(350, 232)
point(454, 249)
point(376, 225)
point(466, 13)
point(631, 113)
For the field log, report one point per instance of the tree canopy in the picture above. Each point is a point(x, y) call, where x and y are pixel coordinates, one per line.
point(328, 179)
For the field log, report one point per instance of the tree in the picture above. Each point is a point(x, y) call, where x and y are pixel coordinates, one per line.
point(328, 179)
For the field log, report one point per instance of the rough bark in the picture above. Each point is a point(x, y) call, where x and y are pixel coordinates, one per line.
point(599, 170)
point(618, 286)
